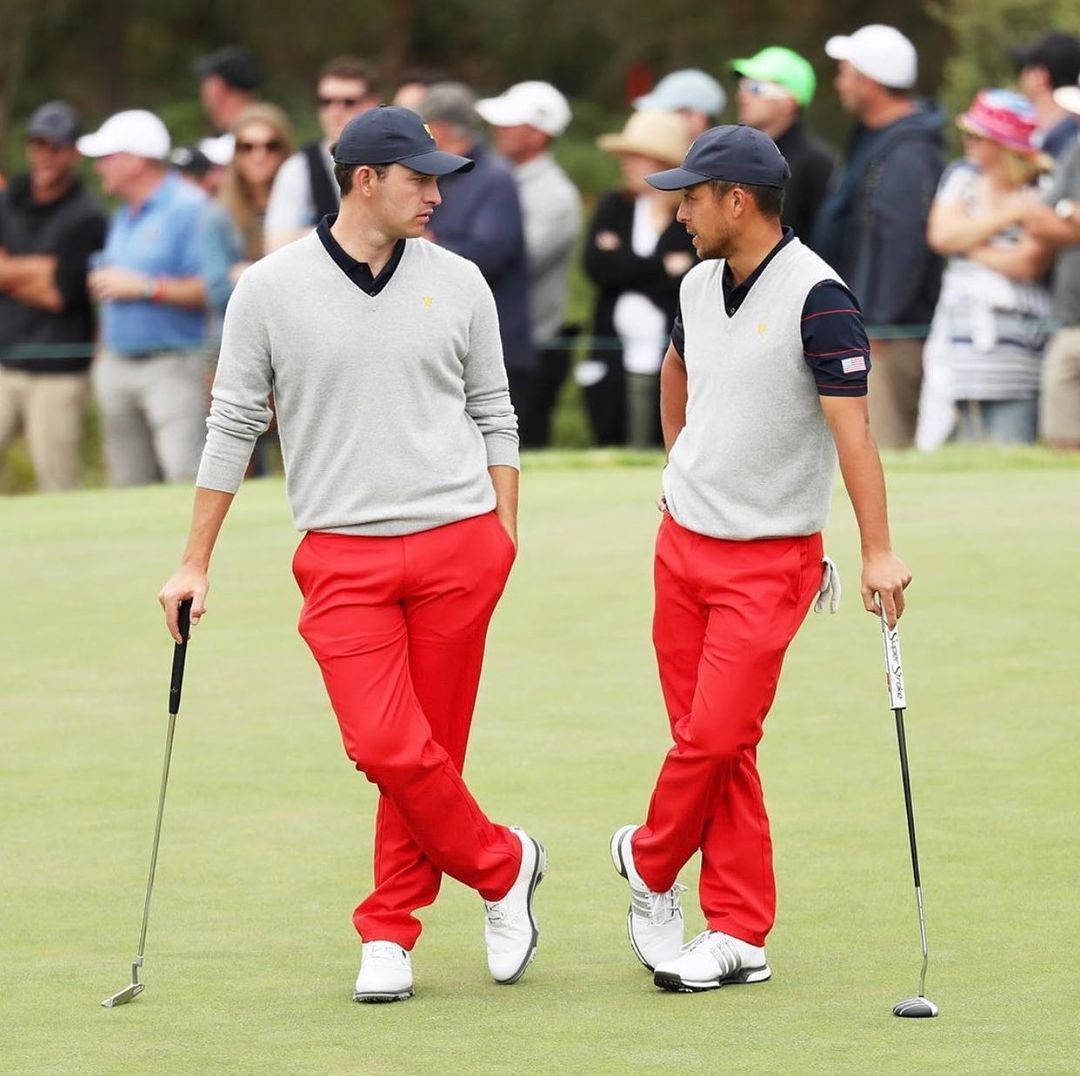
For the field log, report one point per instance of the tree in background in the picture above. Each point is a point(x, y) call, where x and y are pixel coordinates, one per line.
point(983, 32)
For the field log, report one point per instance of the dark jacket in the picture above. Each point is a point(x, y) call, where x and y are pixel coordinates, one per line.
point(71, 229)
point(872, 227)
point(480, 219)
point(811, 162)
point(615, 272)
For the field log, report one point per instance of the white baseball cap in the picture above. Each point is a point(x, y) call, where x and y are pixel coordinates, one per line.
point(219, 150)
point(879, 52)
point(537, 104)
point(136, 131)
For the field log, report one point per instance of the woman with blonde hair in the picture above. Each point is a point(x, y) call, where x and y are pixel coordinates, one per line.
point(984, 353)
point(232, 234)
point(231, 229)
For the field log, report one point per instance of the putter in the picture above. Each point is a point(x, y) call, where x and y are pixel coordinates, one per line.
point(920, 1005)
point(134, 988)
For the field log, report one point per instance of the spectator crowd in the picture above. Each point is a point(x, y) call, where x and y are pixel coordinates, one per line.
point(967, 273)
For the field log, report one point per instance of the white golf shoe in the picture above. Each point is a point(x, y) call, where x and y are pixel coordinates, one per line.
point(510, 930)
point(712, 960)
point(654, 921)
point(385, 973)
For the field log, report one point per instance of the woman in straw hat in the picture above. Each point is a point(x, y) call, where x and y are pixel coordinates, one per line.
point(990, 327)
point(637, 254)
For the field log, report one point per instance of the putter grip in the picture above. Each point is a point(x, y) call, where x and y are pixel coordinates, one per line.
point(179, 653)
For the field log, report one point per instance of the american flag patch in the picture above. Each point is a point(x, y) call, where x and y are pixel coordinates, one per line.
point(855, 365)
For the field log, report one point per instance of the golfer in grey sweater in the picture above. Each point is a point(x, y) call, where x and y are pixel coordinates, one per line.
point(382, 353)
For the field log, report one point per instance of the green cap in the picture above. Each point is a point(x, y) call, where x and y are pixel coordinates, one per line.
point(785, 68)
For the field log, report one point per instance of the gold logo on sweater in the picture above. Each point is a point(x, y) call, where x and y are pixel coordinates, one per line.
point(761, 328)
point(428, 300)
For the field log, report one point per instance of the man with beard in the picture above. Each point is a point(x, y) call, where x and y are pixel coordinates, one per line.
point(765, 374)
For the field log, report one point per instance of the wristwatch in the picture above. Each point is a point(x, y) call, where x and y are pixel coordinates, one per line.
point(148, 289)
point(1066, 209)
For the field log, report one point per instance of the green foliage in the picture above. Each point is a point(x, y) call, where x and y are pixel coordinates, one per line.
point(983, 31)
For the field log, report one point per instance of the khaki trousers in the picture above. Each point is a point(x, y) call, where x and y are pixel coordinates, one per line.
point(895, 382)
point(1059, 402)
point(153, 415)
point(51, 410)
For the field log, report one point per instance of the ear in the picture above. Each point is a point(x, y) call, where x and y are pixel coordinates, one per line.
point(364, 179)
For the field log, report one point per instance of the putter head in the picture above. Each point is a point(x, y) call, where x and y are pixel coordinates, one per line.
point(124, 996)
point(917, 1008)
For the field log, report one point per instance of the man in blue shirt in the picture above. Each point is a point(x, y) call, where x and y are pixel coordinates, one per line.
point(148, 376)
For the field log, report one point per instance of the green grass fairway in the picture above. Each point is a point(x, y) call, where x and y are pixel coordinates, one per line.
point(266, 846)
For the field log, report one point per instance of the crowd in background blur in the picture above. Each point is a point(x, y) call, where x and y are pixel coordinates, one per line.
point(968, 275)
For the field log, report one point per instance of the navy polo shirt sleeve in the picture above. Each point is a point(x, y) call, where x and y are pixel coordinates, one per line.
point(678, 333)
point(834, 340)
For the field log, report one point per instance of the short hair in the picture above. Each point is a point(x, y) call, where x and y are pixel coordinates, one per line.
point(344, 173)
point(769, 200)
point(352, 68)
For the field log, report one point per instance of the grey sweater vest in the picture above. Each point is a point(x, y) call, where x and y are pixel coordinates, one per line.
point(390, 407)
point(755, 458)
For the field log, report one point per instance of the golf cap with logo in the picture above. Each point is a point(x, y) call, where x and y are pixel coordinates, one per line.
point(533, 104)
point(878, 52)
point(732, 153)
point(784, 68)
point(688, 89)
point(55, 122)
point(392, 135)
point(137, 132)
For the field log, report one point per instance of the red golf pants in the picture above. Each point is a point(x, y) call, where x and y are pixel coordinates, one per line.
point(398, 626)
point(725, 614)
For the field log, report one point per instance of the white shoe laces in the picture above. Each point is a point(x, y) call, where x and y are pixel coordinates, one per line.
point(384, 950)
point(719, 947)
point(494, 911)
point(658, 908)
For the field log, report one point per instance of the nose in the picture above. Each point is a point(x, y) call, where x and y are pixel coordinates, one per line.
point(682, 216)
point(432, 196)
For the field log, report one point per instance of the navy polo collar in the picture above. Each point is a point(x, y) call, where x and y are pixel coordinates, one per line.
point(358, 272)
point(734, 296)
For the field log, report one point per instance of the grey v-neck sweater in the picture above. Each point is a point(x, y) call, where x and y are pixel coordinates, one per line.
point(390, 407)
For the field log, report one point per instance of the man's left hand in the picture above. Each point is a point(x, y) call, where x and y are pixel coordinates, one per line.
point(886, 575)
point(114, 283)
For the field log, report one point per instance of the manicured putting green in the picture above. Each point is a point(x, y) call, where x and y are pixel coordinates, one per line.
point(266, 843)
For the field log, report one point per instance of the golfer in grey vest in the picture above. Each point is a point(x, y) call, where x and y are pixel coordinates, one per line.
point(763, 385)
point(400, 448)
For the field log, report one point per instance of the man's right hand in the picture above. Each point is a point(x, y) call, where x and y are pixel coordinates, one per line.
point(185, 582)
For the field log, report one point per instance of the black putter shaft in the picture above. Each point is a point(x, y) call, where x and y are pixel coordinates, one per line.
point(894, 672)
point(176, 683)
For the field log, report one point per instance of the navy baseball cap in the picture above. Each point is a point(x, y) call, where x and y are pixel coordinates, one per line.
point(390, 135)
point(55, 122)
point(732, 153)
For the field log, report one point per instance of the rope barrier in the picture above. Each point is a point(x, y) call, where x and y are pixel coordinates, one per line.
point(33, 352)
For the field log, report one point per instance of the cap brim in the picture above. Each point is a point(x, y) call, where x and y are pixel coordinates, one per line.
point(675, 179)
point(649, 100)
point(839, 47)
point(92, 145)
point(1068, 97)
point(51, 137)
point(500, 113)
point(437, 163)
